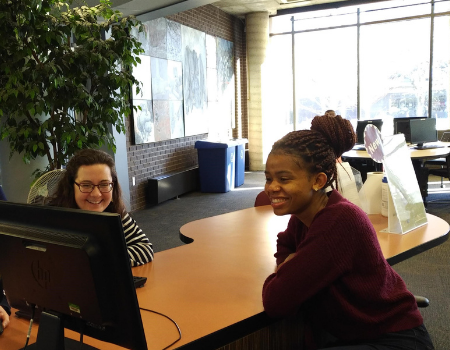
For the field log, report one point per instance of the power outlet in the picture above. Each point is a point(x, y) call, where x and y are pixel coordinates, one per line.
point(134, 181)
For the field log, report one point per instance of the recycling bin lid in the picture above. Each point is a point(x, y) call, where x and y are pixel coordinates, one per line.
point(215, 144)
point(240, 141)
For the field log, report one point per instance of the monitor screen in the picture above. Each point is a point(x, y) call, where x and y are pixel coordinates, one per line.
point(74, 265)
point(423, 130)
point(362, 125)
point(402, 126)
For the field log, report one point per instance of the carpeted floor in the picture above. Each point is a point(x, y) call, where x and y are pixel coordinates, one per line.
point(426, 274)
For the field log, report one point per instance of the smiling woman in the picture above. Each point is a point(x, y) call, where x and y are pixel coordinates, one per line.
point(329, 262)
point(90, 183)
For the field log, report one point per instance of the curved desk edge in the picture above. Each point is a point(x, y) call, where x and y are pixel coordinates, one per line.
point(226, 335)
point(417, 250)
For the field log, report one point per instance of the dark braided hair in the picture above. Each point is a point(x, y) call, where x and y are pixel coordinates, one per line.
point(318, 148)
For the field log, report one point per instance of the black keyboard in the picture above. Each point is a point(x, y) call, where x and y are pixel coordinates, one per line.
point(429, 146)
point(139, 281)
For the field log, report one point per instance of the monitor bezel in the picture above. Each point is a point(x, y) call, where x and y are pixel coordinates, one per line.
point(361, 125)
point(104, 251)
point(418, 126)
point(405, 131)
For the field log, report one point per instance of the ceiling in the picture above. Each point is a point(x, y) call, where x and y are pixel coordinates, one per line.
point(151, 9)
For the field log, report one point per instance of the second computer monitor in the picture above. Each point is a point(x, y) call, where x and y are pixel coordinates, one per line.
point(423, 130)
point(402, 126)
point(362, 125)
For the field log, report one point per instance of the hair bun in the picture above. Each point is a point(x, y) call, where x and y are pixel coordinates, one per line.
point(337, 131)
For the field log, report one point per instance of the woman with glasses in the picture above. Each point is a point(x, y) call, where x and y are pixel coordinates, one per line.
point(90, 183)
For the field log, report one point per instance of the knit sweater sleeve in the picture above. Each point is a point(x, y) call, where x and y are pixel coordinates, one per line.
point(286, 242)
point(324, 254)
point(340, 272)
point(140, 250)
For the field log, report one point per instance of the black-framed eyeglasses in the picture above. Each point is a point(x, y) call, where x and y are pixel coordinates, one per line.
point(104, 187)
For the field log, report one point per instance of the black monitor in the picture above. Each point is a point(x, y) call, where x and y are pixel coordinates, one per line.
point(74, 265)
point(361, 125)
point(423, 130)
point(402, 126)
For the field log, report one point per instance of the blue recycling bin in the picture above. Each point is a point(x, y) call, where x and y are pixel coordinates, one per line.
point(216, 165)
point(240, 161)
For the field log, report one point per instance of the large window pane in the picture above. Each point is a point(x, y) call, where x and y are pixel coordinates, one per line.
point(442, 6)
point(441, 76)
point(326, 75)
point(394, 73)
point(325, 18)
point(280, 24)
point(277, 91)
point(381, 11)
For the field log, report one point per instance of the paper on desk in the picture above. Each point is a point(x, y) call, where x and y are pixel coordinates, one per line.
point(370, 194)
point(347, 184)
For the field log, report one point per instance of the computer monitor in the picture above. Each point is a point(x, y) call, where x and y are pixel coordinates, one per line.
point(402, 126)
point(423, 130)
point(74, 265)
point(361, 125)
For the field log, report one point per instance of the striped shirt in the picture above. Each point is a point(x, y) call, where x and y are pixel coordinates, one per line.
point(140, 250)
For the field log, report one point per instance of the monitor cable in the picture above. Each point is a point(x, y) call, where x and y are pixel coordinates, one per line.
point(33, 308)
point(176, 325)
point(81, 335)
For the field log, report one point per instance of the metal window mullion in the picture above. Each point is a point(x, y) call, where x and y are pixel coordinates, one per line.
point(430, 78)
point(358, 88)
point(294, 104)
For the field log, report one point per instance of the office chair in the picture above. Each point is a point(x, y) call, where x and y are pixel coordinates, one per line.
point(262, 199)
point(442, 172)
point(442, 162)
point(44, 187)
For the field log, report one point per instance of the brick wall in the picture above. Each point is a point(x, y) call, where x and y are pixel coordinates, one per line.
point(151, 159)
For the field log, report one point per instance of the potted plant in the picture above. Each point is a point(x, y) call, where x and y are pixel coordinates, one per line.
point(65, 77)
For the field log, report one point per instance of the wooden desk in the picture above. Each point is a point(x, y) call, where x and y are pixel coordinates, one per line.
point(212, 287)
point(426, 154)
point(418, 157)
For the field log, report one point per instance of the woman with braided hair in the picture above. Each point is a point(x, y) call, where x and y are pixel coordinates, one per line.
point(329, 262)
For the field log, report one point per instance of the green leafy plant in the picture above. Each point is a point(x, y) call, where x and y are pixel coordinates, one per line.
point(65, 77)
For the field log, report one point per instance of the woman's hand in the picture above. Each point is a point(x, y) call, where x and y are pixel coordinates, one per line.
point(4, 317)
point(289, 257)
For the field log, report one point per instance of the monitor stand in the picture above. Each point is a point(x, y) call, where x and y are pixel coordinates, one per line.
point(51, 335)
point(428, 146)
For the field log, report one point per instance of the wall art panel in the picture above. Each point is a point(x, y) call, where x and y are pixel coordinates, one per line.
point(194, 81)
point(143, 122)
point(173, 41)
point(157, 37)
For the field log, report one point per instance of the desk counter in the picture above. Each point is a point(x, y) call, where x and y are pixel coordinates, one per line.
point(414, 153)
point(212, 287)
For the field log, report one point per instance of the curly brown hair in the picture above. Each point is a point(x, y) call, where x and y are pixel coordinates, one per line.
point(318, 148)
point(64, 195)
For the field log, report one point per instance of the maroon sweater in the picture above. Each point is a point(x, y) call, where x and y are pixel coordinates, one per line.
point(340, 275)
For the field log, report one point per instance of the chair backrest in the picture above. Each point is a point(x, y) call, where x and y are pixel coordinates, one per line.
point(262, 199)
point(45, 186)
point(445, 137)
point(444, 170)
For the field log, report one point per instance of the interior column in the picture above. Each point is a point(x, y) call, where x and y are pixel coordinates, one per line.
point(257, 37)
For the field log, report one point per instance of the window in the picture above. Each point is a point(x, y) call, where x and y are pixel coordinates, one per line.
point(394, 76)
point(325, 67)
point(379, 68)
